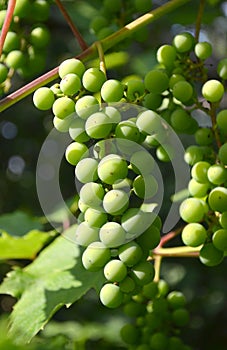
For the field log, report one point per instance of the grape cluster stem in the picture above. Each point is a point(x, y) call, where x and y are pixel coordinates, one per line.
point(7, 22)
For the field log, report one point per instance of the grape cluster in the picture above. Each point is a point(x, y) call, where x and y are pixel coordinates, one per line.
point(24, 49)
point(158, 316)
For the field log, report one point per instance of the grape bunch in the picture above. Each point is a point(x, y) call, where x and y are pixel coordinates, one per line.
point(25, 46)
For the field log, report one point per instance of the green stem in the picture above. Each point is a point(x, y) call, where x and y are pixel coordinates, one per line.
point(184, 251)
point(102, 64)
point(212, 113)
point(199, 19)
point(91, 51)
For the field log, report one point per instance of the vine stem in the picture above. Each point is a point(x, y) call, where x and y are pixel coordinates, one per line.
point(213, 121)
point(7, 22)
point(72, 26)
point(91, 51)
point(102, 63)
point(199, 19)
point(187, 252)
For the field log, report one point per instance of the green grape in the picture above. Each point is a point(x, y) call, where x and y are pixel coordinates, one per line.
point(111, 7)
point(93, 79)
point(199, 171)
point(70, 84)
point(193, 154)
point(213, 90)
point(95, 256)
point(142, 162)
point(77, 129)
point(92, 194)
point(183, 42)
point(40, 37)
point(197, 189)
point(222, 153)
point(40, 10)
point(223, 219)
point(204, 136)
point(143, 5)
point(145, 186)
point(222, 120)
point(22, 9)
point(63, 107)
point(95, 217)
point(130, 253)
point(97, 23)
point(12, 42)
point(159, 341)
point(75, 151)
point(127, 285)
point(219, 239)
point(218, 199)
point(56, 89)
point(123, 185)
point(2, 17)
point(175, 343)
point(71, 65)
point(183, 91)
point(217, 174)
point(134, 309)
point(180, 119)
point(3, 73)
point(203, 50)
point(222, 68)
point(98, 125)
point(130, 334)
point(104, 32)
point(112, 168)
point(176, 299)
point(15, 59)
point(111, 296)
point(103, 148)
point(86, 234)
point(156, 81)
point(150, 238)
point(43, 98)
point(115, 270)
point(210, 256)
point(113, 114)
point(86, 105)
point(82, 206)
point(86, 170)
point(163, 288)
point(112, 90)
point(165, 152)
point(150, 290)
point(115, 202)
point(127, 130)
point(152, 101)
point(134, 89)
point(192, 210)
point(112, 234)
point(166, 55)
point(142, 273)
point(149, 123)
point(135, 221)
point(180, 317)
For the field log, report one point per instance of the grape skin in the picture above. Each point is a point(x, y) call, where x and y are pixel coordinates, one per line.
point(115, 202)
point(115, 270)
point(112, 234)
point(219, 239)
point(86, 170)
point(95, 256)
point(112, 168)
point(192, 210)
point(213, 90)
point(75, 151)
point(194, 234)
point(111, 295)
point(43, 98)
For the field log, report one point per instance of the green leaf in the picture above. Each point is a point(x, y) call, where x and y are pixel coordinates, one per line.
point(56, 278)
point(18, 223)
point(25, 247)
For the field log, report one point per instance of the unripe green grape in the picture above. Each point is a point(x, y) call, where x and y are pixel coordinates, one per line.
point(115, 270)
point(40, 37)
point(104, 147)
point(40, 10)
point(112, 90)
point(218, 199)
point(86, 234)
point(134, 309)
point(175, 78)
point(194, 234)
point(193, 154)
point(127, 130)
point(183, 91)
point(199, 171)
point(111, 296)
point(71, 65)
point(156, 81)
point(142, 162)
point(22, 9)
point(104, 32)
point(145, 186)
point(163, 287)
point(77, 130)
point(63, 107)
point(204, 136)
point(175, 343)
point(127, 285)
point(210, 256)
point(150, 238)
point(149, 122)
point(152, 101)
point(113, 114)
point(142, 273)
point(197, 189)
point(112, 168)
point(134, 89)
point(123, 185)
point(98, 126)
point(222, 153)
point(165, 152)
point(158, 341)
point(203, 50)
point(86, 170)
point(43, 98)
point(112, 234)
point(97, 23)
point(92, 194)
point(111, 7)
point(222, 120)
point(143, 5)
point(213, 90)
point(150, 290)
point(223, 219)
point(86, 106)
point(222, 68)
point(15, 59)
point(94, 217)
point(166, 55)
point(130, 334)
point(75, 151)
point(183, 42)
point(180, 119)
point(70, 84)
point(192, 210)
point(176, 299)
point(115, 202)
point(95, 256)
point(130, 253)
point(93, 79)
point(2, 17)
point(3, 72)
point(12, 42)
point(219, 239)
point(135, 221)
point(180, 317)
point(217, 174)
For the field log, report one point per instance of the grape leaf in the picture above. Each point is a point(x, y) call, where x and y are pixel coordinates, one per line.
point(25, 247)
point(18, 223)
point(56, 278)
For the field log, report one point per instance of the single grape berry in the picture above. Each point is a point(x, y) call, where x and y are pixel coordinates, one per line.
point(43, 98)
point(194, 234)
point(203, 50)
point(111, 296)
point(213, 90)
point(192, 210)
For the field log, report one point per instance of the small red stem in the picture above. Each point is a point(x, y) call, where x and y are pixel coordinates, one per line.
point(7, 22)
point(75, 31)
point(168, 237)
